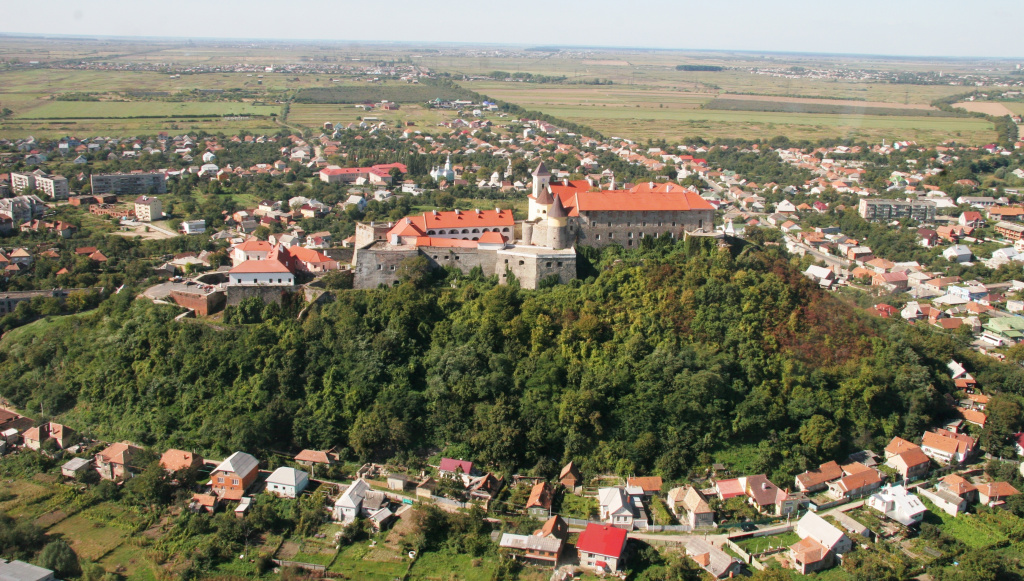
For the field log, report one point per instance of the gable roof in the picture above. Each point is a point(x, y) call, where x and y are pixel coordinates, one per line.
point(898, 445)
point(238, 463)
point(649, 484)
point(569, 468)
point(260, 266)
point(119, 453)
point(287, 476)
point(913, 457)
point(175, 460)
point(957, 484)
point(827, 472)
point(450, 465)
point(540, 496)
point(604, 540)
point(313, 456)
point(817, 528)
point(948, 442)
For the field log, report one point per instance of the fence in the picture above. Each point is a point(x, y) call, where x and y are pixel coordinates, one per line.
point(300, 565)
point(669, 528)
point(744, 555)
point(448, 501)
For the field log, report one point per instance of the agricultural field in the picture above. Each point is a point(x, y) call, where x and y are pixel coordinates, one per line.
point(986, 107)
point(314, 115)
point(143, 109)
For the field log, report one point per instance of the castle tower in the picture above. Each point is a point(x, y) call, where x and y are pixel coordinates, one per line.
point(541, 201)
point(558, 226)
point(541, 179)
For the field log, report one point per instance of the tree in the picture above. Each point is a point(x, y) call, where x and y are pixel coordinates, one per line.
point(820, 437)
point(60, 558)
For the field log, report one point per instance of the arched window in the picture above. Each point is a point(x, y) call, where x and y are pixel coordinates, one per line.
point(465, 231)
point(503, 229)
point(477, 231)
point(431, 232)
point(475, 238)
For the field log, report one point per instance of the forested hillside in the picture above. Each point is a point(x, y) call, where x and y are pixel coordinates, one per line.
point(667, 356)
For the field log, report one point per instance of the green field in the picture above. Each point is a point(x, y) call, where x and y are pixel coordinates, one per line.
point(145, 109)
point(425, 120)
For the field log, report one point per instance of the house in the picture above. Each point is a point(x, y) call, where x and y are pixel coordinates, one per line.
point(545, 544)
point(22, 571)
point(178, 460)
point(204, 503)
point(859, 481)
point(539, 503)
point(718, 563)
point(690, 507)
point(767, 498)
point(945, 500)
point(600, 547)
point(898, 504)
point(569, 477)
point(485, 487)
point(244, 504)
point(820, 543)
point(911, 463)
point(232, 477)
point(287, 482)
point(650, 485)
point(947, 447)
point(359, 500)
point(994, 493)
point(75, 467)
point(349, 505)
point(314, 457)
point(62, 435)
point(1018, 442)
point(815, 480)
point(821, 275)
point(971, 219)
point(615, 507)
point(957, 253)
point(729, 488)
point(958, 486)
point(455, 468)
point(116, 461)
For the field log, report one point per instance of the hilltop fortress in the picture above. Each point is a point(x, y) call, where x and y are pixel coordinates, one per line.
point(541, 247)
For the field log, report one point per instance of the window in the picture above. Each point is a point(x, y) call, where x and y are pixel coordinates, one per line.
point(630, 243)
point(630, 235)
point(627, 224)
point(380, 267)
point(598, 236)
point(234, 482)
point(392, 267)
point(559, 263)
point(435, 257)
point(611, 235)
point(673, 224)
point(456, 257)
point(643, 223)
point(506, 261)
point(548, 264)
point(700, 224)
point(476, 231)
point(521, 263)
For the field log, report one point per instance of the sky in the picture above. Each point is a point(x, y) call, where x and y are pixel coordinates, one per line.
point(983, 28)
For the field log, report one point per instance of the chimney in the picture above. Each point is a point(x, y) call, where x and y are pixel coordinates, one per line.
point(435, 212)
point(458, 212)
point(650, 185)
point(764, 486)
point(478, 211)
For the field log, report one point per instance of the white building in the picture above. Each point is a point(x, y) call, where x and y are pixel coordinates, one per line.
point(261, 272)
point(615, 507)
point(287, 482)
point(193, 226)
point(350, 504)
point(898, 504)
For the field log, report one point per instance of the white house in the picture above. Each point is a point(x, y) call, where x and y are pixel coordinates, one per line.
point(615, 507)
point(957, 253)
point(287, 482)
point(823, 276)
point(819, 544)
point(350, 504)
point(898, 504)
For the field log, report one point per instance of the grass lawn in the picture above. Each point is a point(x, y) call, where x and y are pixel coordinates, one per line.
point(759, 544)
point(130, 561)
point(578, 506)
point(442, 566)
point(24, 489)
point(89, 538)
point(355, 562)
point(26, 494)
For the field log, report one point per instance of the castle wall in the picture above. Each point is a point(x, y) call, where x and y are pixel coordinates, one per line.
point(268, 294)
point(465, 259)
point(627, 228)
point(367, 234)
point(372, 267)
point(530, 268)
point(201, 303)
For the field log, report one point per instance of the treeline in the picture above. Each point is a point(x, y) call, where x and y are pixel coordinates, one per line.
point(660, 359)
point(819, 108)
point(373, 93)
point(700, 68)
point(526, 77)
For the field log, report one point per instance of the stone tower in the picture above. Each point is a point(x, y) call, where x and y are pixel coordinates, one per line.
point(541, 201)
point(558, 226)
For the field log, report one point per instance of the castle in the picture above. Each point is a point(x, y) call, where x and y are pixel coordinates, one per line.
point(560, 217)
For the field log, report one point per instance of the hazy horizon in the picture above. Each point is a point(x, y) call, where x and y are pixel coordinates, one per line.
point(910, 29)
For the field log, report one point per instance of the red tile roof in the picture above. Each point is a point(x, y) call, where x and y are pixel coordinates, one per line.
point(251, 266)
point(460, 219)
point(450, 464)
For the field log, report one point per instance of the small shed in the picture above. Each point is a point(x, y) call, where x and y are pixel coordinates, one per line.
point(426, 488)
point(75, 467)
point(243, 506)
point(397, 481)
